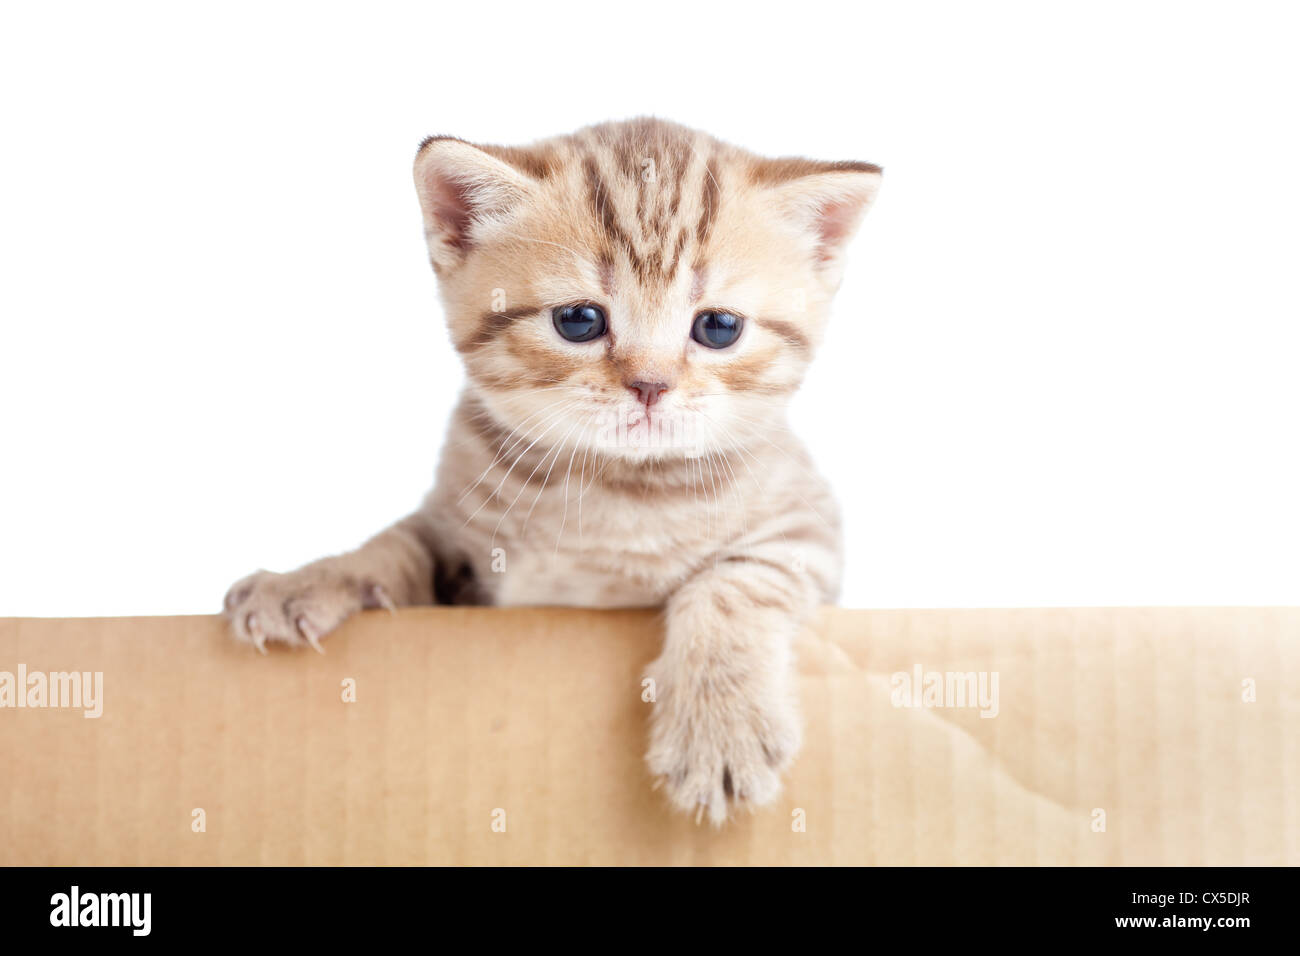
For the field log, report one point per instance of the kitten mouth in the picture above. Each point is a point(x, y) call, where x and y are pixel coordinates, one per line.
point(638, 432)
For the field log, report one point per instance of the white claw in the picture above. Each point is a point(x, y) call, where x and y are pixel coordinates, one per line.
point(309, 632)
point(255, 632)
point(699, 815)
point(384, 601)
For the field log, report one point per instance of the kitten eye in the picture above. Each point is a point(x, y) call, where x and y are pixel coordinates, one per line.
point(579, 323)
point(716, 330)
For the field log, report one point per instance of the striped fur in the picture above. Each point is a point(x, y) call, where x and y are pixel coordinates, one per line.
point(557, 486)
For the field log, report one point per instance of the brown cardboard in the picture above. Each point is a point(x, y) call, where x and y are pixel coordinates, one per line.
point(462, 712)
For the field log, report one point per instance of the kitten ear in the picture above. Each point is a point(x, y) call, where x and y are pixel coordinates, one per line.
point(828, 200)
point(462, 189)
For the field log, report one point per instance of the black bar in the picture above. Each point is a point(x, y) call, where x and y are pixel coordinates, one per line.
point(333, 906)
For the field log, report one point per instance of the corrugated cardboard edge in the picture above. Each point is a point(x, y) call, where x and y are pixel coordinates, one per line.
point(514, 736)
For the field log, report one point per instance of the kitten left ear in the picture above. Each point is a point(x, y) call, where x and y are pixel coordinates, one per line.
point(462, 189)
point(827, 199)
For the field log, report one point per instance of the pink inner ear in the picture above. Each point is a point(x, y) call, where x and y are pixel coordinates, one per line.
point(451, 208)
point(834, 225)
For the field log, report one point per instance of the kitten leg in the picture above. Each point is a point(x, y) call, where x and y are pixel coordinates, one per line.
point(725, 722)
point(395, 567)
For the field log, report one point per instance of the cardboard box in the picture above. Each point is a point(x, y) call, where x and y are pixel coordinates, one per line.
point(515, 736)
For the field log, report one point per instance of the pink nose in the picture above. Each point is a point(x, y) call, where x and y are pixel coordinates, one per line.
point(648, 392)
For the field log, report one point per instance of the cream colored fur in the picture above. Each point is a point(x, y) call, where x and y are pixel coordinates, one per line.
point(555, 487)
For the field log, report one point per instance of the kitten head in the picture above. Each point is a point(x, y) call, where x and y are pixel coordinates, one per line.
point(637, 288)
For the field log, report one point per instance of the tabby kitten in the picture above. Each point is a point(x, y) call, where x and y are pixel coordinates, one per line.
point(634, 304)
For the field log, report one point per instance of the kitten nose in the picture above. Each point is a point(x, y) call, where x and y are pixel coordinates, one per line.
point(648, 392)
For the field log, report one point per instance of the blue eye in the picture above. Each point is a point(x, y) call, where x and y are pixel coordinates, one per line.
point(716, 330)
point(579, 323)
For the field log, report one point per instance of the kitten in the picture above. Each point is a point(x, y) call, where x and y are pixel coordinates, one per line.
point(634, 304)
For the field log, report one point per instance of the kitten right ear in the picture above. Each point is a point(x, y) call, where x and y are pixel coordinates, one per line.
point(828, 200)
point(462, 191)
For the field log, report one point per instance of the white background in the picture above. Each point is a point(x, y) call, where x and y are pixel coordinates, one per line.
point(1062, 369)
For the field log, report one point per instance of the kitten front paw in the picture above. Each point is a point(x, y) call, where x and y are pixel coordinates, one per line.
point(298, 608)
point(714, 748)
